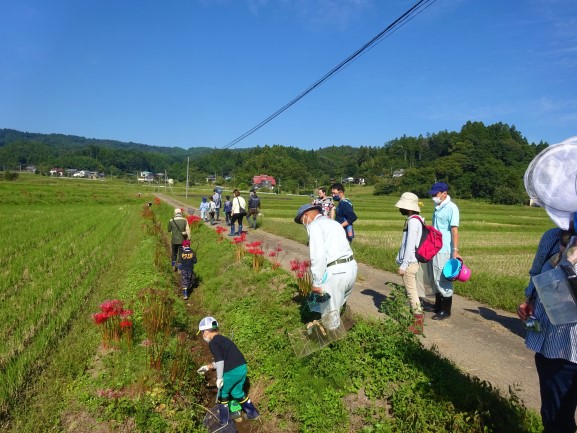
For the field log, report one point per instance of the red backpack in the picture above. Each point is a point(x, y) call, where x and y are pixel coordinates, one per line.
point(430, 244)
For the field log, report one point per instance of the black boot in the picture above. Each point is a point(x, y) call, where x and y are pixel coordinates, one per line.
point(249, 409)
point(446, 304)
point(223, 413)
point(426, 306)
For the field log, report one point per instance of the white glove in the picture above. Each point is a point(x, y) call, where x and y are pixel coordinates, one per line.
point(219, 383)
point(202, 369)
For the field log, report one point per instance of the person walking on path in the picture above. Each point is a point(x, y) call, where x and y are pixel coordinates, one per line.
point(409, 266)
point(333, 267)
point(344, 213)
point(203, 208)
point(180, 230)
point(217, 199)
point(326, 203)
point(211, 211)
point(187, 262)
point(445, 219)
point(238, 212)
point(550, 179)
point(231, 370)
point(228, 210)
point(253, 209)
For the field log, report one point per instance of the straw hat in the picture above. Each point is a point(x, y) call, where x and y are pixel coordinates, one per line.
point(409, 201)
point(551, 180)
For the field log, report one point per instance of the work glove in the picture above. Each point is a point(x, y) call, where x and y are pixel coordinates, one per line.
point(202, 369)
point(219, 383)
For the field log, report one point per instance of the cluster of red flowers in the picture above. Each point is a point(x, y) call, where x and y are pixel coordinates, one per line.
point(275, 255)
point(194, 220)
point(156, 200)
point(239, 242)
point(115, 320)
point(301, 269)
point(220, 230)
point(257, 254)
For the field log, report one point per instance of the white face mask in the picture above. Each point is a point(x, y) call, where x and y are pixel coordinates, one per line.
point(437, 200)
point(206, 339)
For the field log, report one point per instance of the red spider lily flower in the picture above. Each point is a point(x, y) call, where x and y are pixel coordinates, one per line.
point(300, 274)
point(254, 244)
point(259, 252)
point(126, 313)
point(100, 318)
point(272, 254)
point(112, 307)
point(126, 324)
point(294, 264)
point(220, 229)
point(279, 247)
point(146, 343)
point(237, 240)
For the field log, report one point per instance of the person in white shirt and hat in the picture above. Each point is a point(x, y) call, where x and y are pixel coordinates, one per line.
point(333, 267)
point(409, 266)
point(180, 230)
point(551, 181)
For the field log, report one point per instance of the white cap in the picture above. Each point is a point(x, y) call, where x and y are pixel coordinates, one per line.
point(551, 180)
point(177, 211)
point(207, 323)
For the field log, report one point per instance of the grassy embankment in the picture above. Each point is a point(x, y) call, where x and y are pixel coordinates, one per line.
point(379, 379)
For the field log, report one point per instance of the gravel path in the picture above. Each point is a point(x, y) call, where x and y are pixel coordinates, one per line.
point(484, 342)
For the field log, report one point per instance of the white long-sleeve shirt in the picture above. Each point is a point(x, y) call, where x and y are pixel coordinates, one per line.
point(327, 243)
point(237, 203)
point(410, 242)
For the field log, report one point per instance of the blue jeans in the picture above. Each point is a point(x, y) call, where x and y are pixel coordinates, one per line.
point(558, 386)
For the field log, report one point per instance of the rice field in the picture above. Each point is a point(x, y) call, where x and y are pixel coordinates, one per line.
point(56, 239)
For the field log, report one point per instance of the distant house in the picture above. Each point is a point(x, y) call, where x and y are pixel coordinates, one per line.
point(211, 178)
point(263, 181)
point(57, 172)
point(146, 176)
point(399, 173)
point(30, 169)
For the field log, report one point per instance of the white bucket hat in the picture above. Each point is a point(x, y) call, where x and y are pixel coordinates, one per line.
point(551, 181)
point(409, 201)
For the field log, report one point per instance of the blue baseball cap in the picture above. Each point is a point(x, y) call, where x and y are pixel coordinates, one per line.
point(438, 187)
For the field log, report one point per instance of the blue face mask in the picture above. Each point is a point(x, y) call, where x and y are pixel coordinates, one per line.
point(336, 197)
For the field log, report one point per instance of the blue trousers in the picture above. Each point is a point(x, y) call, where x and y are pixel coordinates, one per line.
point(558, 386)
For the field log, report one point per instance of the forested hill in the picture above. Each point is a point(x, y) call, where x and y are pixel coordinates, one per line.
point(479, 161)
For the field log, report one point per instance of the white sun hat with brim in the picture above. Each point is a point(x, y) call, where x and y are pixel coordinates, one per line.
point(409, 201)
point(551, 181)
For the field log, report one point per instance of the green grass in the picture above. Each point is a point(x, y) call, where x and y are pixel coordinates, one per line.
point(378, 379)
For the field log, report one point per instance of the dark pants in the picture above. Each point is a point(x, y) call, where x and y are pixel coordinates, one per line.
point(558, 386)
point(176, 251)
point(236, 217)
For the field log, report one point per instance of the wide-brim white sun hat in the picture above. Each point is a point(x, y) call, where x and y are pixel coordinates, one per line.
point(551, 180)
point(409, 201)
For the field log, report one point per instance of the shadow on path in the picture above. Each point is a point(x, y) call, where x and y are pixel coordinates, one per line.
point(513, 324)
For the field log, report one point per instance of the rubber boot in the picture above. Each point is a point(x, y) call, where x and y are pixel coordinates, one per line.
point(223, 414)
point(231, 230)
point(417, 326)
point(446, 304)
point(239, 230)
point(249, 409)
point(173, 265)
point(185, 293)
point(235, 409)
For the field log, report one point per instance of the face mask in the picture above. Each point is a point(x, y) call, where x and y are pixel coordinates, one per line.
point(437, 200)
point(206, 339)
point(336, 197)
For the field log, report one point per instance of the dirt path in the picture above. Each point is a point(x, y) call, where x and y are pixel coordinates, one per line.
point(483, 341)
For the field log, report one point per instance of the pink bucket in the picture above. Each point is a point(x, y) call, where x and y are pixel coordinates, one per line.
point(455, 270)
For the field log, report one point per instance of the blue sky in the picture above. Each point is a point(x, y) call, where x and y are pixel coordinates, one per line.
point(194, 73)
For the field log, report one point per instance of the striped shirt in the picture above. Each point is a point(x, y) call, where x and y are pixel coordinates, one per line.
point(554, 341)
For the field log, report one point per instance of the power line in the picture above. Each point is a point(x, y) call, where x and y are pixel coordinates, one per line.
point(415, 10)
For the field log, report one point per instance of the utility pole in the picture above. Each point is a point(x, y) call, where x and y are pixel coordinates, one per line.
point(187, 166)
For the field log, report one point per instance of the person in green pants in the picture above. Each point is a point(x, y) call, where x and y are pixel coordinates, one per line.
point(231, 369)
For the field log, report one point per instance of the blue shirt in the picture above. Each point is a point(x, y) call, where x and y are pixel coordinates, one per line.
point(554, 341)
point(445, 216)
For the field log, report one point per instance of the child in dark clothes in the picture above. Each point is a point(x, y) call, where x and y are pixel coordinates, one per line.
point(187, 262)
point(230, 366)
